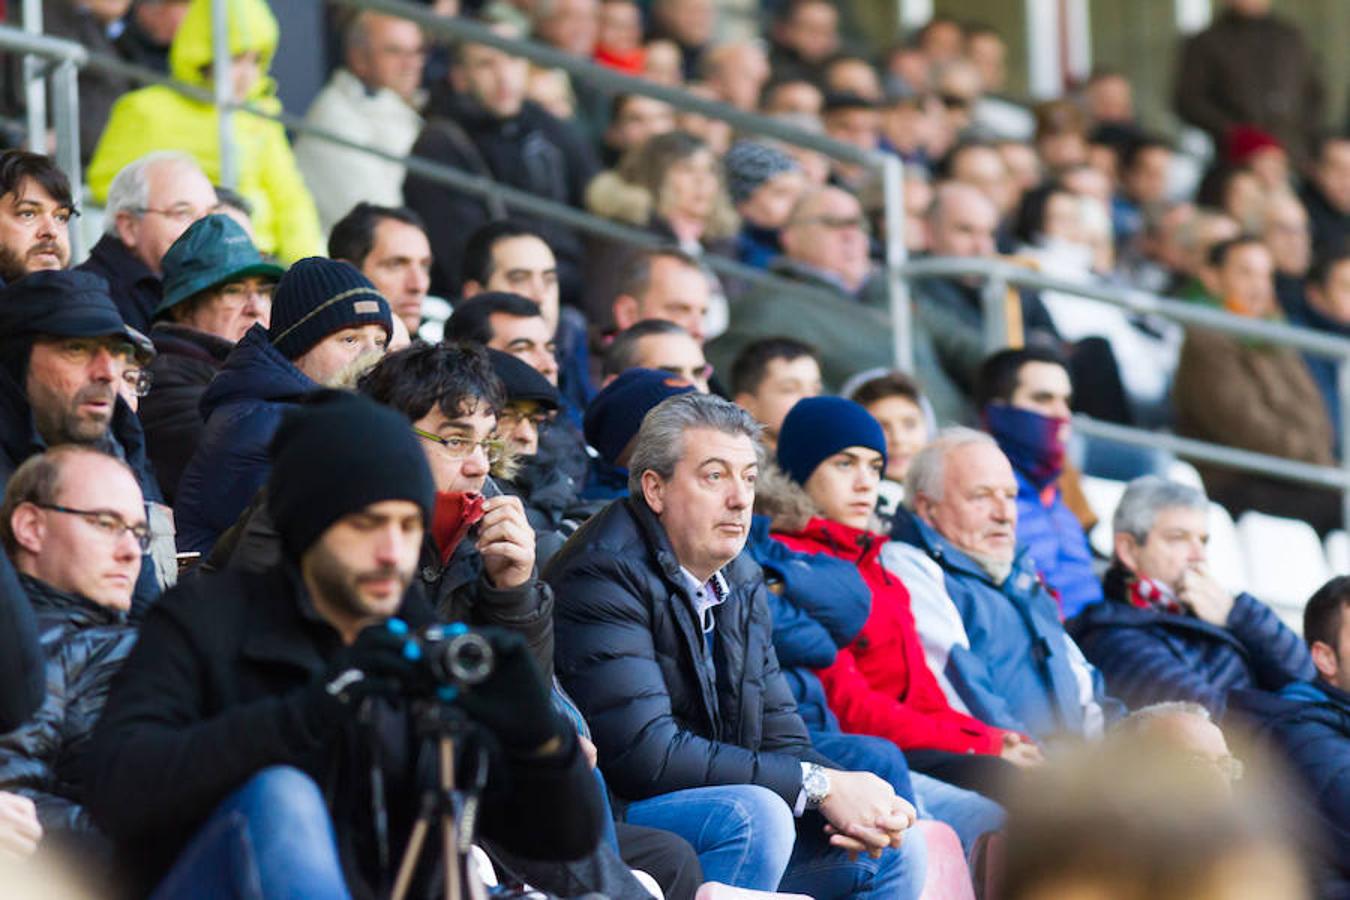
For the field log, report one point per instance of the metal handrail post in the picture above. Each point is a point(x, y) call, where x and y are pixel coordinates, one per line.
point(993, 298)
point(34, 84)
point(66, 118)
point(1343, 398)
point(223, 90)
point(897, 289)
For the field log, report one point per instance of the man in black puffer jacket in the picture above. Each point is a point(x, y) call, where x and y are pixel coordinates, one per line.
point(73, 523)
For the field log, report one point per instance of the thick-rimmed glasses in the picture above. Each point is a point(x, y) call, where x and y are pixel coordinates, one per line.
point(108, 522)
point(462, 448)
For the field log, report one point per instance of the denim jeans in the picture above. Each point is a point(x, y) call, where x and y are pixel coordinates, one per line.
point(968, 813)
point(269, 840)
point(743, 833)
point(825, 873)
point(865, 753)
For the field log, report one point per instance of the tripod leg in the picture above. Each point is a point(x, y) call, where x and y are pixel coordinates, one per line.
point(449, 843)
point(410, 857)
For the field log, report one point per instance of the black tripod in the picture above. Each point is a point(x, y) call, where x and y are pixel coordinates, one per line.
point(457, 810)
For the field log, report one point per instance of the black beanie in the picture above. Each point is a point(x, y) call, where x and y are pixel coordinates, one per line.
point(336, 454)
point(317, 297)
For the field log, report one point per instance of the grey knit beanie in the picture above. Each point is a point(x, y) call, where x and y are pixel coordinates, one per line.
point(749, 164)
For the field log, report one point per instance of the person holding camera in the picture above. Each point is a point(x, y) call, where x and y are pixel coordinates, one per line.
point(264, 732)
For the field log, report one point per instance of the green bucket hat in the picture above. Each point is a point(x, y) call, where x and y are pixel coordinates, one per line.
point(213, 251)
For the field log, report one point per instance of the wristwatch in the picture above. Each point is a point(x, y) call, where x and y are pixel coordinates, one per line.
point(816, 784)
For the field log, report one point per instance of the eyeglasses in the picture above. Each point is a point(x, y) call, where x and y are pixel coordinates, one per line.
point(140, 380)
point(462, 448)
point(238, 293)
point(106, 521)
point(183, 214)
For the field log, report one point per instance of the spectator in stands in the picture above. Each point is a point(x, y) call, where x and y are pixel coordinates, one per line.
point(980, 165)
point(1194, 240)
point(1251, 68)
point(737, 72)
point(663, 284)
point(1024, 398)
point(94, 25)
point(23, 683)
point(650, 562)
point(906, 418)
point(618, 37)
point(74, 524)
point(687, 23)
point(633, 120)
point(769, 376)
point(62, 360)
point(515, 325)
point(509, 257)
point(486, 126)
point(660, 345)
point(158, 117)
point(35, 211)
point(1145, 181)
point(1108, 97)
point(1253, 395)
point(148, 32)
point(217, 287)
point(571, 26)
point(990, 627)
point(906, 130)
point(1284, 227)
point(478, 560)
point(284, 660)
point(1310, 722)
point(389, 245)
point(764, 184)
point(854, 120)
point(326, 318)
point(547, 494)
point(1061, 135)
point(612, 422)
point(151, 202)
point(847, 73)
point(793, 96)
point(673, 187)
point(1168, 630)
point(233, 204)
point(879, 684)
point(372, 99)
point(805, 37)
point(1326, 308)
point(1327, 194)
point(1139, 818)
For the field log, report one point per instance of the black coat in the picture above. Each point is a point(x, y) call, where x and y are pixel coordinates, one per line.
point(531, 151)
point(44, 760)
point(22, 681)
point(170, 414)
point(135, 289)
point(220, 687)
point(631, 653)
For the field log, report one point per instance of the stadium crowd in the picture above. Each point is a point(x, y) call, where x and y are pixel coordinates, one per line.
point(302, 475)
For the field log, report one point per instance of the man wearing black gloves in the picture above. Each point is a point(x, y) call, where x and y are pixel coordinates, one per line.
point(255, 706)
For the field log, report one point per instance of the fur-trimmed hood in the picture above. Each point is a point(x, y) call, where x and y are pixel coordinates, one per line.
point(611, 197)
point(782, 500)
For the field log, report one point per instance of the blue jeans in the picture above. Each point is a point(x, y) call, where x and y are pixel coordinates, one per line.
point(968, 813)
point(824, 872)
point(269, 840)
point(865, 753)
point(742, 833)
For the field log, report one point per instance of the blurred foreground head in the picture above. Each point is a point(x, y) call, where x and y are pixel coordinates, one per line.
point(1140, 817)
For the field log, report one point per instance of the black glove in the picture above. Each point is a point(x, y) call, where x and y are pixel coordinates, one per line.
point(375, 665)
point(514, 702)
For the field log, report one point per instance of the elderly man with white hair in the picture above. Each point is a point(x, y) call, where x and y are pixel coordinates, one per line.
point(988, 623)
point(1168, 630)
point(151, 202)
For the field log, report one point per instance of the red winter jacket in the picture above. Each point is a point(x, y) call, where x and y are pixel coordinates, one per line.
point(880, 684)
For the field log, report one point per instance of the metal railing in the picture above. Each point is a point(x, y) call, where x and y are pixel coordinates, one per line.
point(999, 275)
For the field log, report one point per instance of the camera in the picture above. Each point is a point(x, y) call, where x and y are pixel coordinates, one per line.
point(454, 657)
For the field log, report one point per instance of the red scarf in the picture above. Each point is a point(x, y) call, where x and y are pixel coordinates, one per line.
point(456, 512)
point(1145, 593)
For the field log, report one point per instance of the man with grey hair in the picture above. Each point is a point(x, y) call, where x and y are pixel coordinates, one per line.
point(664, 640)
point(1168, 630)
point(151, 202)
point(1188, 727)
point(988, 623)
point(373, 99)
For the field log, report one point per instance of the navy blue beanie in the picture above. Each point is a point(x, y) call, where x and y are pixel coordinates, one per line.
point(616, 413)
point(817, 428)
point(318, 297)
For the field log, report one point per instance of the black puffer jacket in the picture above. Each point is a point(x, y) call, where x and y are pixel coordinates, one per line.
point(44, 759)
point(631, 653)
point(170, 414)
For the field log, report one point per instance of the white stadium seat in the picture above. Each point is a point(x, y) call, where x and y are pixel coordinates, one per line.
point(1285, 561)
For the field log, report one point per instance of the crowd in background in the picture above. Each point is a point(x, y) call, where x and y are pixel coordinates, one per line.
point(765, 614)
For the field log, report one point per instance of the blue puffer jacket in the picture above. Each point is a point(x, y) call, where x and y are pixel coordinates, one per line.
point(1054, 538)
point(818, 604)
point(1148, 656)
point(1014, 666)
point(242, 408)
point(1310, 722)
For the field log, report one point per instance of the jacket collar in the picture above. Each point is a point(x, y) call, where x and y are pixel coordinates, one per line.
point(78, 610)
point(655, 537)
point(180, 340)
point(909, 528)
point(857, 545)
point(116, 257)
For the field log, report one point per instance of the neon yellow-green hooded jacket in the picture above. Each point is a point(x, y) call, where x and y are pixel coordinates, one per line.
point(159, 118)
